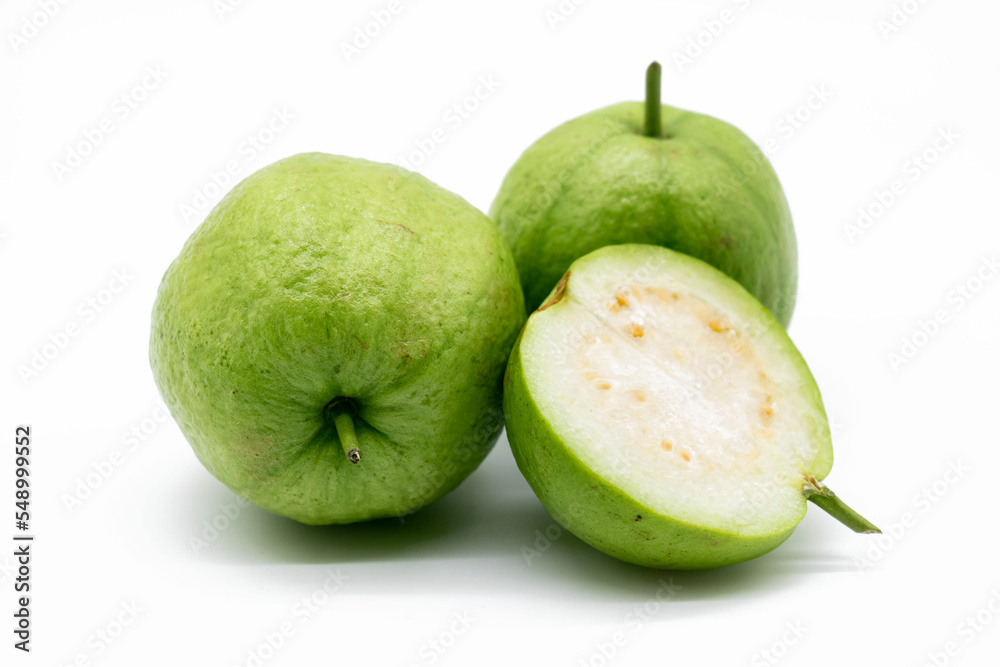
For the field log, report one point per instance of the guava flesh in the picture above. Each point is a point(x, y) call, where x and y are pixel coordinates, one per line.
point(659, 381)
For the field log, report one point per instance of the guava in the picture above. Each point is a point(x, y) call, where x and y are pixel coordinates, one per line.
point(650, 173)
point(662, 415)
point(332, 339)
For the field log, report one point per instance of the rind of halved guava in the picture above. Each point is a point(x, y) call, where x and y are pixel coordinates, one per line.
point(662, 414)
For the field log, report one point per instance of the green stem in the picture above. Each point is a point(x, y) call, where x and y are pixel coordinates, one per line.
point(343, 419)
point(828, 501)
point(653, 108)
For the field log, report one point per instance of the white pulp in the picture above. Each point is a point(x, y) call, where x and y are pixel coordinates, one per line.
point(676, 400)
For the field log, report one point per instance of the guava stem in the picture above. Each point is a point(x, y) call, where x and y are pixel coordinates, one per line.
point(344, 422)
point(830, 503)
point(653, 108)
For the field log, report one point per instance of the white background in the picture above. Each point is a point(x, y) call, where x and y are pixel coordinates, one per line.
point(899, 428)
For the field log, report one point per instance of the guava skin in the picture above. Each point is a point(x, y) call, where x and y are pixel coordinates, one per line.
point(594, 509)
point(702, 188)
point(321, 277)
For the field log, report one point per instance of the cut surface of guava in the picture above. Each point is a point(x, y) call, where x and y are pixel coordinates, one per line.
point(671, 383)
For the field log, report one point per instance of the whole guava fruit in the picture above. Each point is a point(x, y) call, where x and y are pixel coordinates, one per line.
point(653, 174)
point(663, 416)
point(332, 339)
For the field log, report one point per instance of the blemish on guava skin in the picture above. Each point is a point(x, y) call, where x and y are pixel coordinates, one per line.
point(726, 241)
point(638, 517)
point(396, 224)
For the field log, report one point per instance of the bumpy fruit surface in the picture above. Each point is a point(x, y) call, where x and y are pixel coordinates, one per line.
point(692, 183)
point(332, 339)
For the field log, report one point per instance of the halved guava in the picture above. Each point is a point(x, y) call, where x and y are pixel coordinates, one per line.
point(663, 416)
